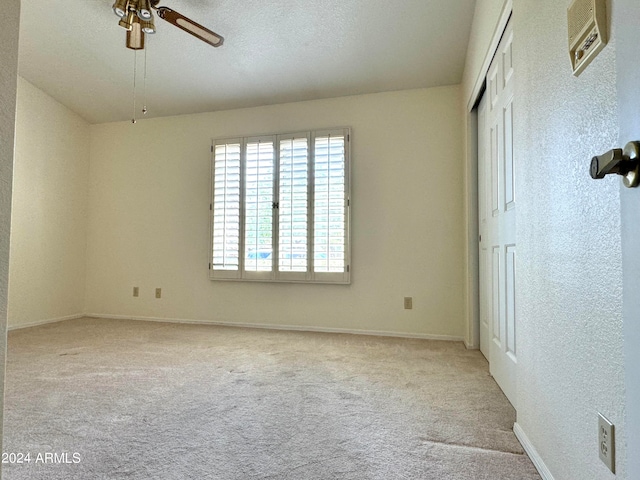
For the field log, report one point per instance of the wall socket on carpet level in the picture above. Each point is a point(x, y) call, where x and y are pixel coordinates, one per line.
point(136, 292)
point(408, 303)
point(158, 293)
point(606, 442)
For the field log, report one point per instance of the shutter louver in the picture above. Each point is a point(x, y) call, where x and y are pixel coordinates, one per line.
point(226, 207)
point(293, 205)
point(258, 205)
point(329, 204)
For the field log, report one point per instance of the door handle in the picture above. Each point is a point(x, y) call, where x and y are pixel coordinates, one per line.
point(623, 162)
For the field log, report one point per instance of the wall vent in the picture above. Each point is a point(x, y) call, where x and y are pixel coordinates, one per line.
point(587, 21)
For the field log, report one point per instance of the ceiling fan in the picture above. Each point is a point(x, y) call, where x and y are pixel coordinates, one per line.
point(136, 16)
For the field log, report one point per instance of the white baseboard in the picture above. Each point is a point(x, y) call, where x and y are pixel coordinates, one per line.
point(44, 322)
point(532, 452)
point(471, 346)
point(299, 328)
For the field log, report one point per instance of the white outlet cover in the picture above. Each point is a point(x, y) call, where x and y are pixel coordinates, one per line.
point(606, 442)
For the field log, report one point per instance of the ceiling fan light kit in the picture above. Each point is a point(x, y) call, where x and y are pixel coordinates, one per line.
point(138, 15)
point(120, 8)
point(148, 26)
point(144, 10)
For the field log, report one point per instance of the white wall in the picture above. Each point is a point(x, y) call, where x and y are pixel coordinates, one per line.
point(49, 229)
point(149, 207)
point(9, 22)
point(569, 300)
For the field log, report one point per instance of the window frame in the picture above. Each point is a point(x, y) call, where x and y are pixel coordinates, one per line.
point(276, 276)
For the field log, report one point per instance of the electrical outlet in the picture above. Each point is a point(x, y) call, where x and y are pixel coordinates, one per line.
point(158, 293)
point(408, 303)
point(606, 442)
point(136, 292)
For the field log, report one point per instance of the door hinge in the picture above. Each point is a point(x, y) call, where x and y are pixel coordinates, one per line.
point(211, 148)
point(349, 138)
point(209, 266)
point(211, 206)
point(348, 268)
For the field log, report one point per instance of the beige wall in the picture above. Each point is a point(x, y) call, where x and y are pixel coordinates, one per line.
point(9, 22)
point(149, 226)
point(569, 297)
point(48, 242)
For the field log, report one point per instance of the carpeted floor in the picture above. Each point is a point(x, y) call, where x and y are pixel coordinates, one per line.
point(107, 399)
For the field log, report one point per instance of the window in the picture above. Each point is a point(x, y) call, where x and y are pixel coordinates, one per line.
point(280, 208)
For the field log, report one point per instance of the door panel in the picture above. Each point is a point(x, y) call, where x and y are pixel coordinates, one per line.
point(509, 167)
point(495, 300)
point(498, 249)
point(510, 292)
point(495, 170)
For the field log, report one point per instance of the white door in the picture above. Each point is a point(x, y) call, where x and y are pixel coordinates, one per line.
point(497, 220)
point(626, 15)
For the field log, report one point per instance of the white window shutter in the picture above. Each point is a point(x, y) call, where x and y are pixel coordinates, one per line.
point(293, 207)
point(331, 206)
point(280, 208)
point(225, 209)
point(259, 177)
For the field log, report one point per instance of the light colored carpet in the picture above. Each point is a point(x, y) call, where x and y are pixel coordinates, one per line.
point(146, 401)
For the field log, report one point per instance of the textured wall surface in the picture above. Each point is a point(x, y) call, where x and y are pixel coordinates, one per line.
point(9, 22)
point(149, 217)
point(569, 300)
point(49, 229)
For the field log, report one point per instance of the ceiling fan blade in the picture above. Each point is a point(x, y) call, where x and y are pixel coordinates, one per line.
point(190, 26)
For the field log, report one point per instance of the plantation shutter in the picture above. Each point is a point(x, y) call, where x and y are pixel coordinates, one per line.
point(330, 212)
point(293, 211)
point(259, 205)
point(280, 208)
point(225, 209)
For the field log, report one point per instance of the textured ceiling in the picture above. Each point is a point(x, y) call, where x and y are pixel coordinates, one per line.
point(275, 51)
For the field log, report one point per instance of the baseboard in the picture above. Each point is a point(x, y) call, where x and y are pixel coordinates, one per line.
point(298, 328)
point(532, 452)
point(44, 322)
point(471, 346)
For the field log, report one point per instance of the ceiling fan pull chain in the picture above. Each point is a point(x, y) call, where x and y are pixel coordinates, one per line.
point(135, 53)
point(144, 86)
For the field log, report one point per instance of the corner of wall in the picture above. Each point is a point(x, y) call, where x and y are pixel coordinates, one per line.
point(50, 192)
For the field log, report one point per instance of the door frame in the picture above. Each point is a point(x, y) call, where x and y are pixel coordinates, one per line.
point(472, 333)
point(627, 73)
